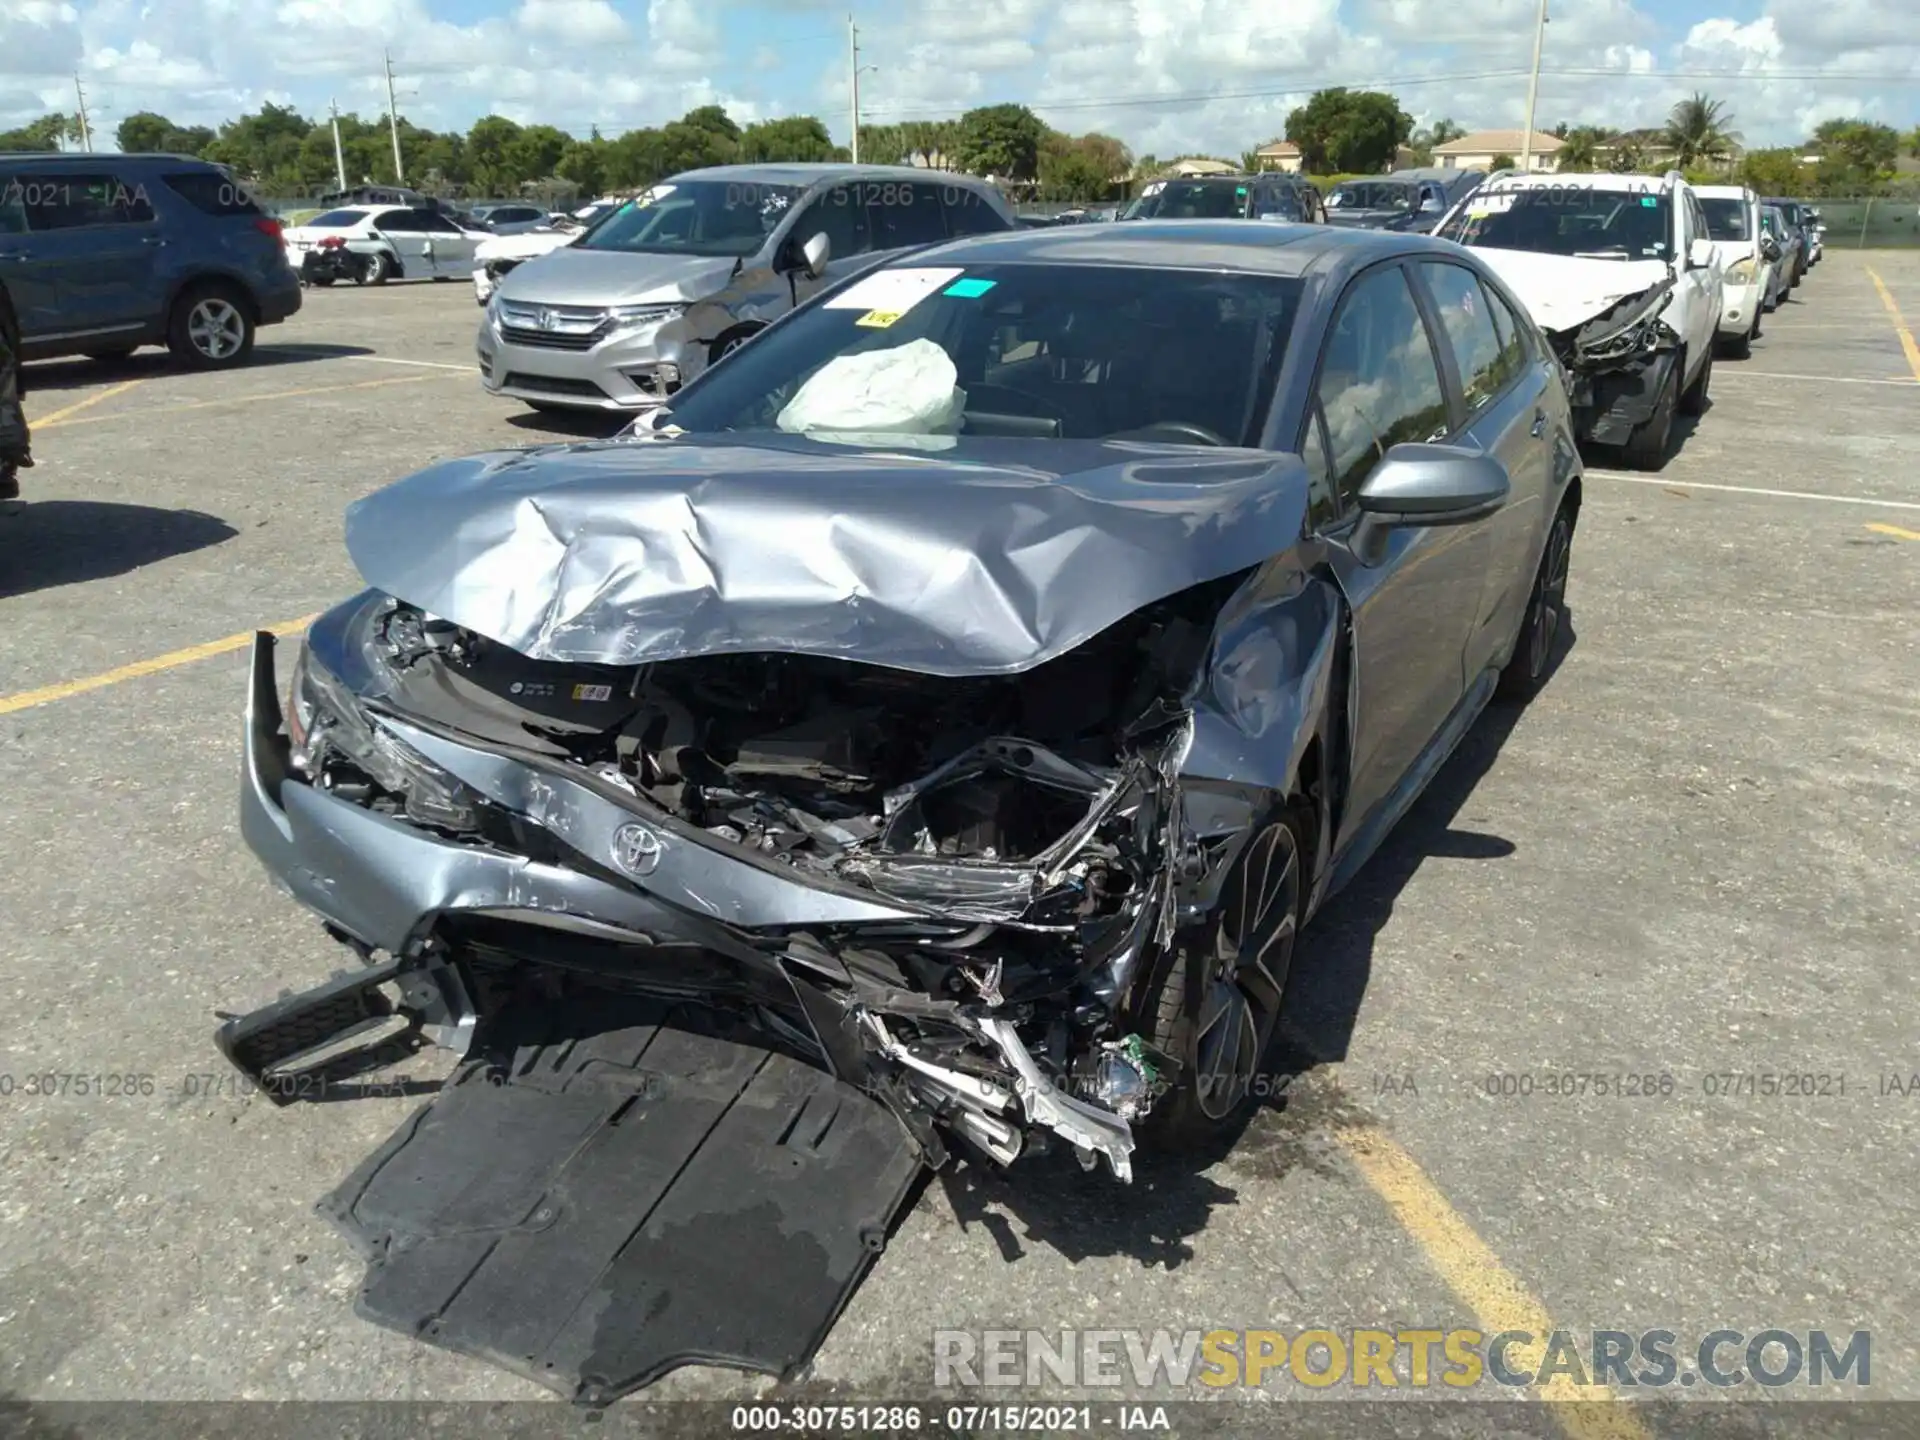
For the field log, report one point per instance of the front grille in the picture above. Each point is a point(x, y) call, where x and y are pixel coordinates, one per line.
point(552, 385)
point(553, 327)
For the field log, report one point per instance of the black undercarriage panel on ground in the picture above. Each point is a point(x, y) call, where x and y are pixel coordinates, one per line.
point(604, 1197)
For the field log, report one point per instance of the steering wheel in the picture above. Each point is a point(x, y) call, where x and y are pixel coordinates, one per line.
point(1180, 429)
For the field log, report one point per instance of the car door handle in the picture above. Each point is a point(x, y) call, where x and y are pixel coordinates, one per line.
point(16, 254)
point(1539, 423)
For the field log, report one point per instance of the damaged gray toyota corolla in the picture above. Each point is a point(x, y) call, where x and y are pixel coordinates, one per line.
point(930, 737)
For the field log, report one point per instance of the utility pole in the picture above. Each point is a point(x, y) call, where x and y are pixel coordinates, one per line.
point(339, 156)
point(86, 130)
point(853, 74)
point(393, 119)
point(1533, 91)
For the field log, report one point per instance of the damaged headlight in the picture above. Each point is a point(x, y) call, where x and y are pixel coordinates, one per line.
point(635, 317)
point(323, 713)
point(1741, 272)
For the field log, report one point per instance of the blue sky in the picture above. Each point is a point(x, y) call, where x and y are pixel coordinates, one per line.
point(1166, 76)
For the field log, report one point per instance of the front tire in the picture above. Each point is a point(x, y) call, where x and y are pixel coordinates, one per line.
point(1540, 628)
point(1215, 999)
point(730, 341)
point(211, 327)
point(1694, 401)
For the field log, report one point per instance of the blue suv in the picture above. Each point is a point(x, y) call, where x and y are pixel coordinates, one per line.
point(105, 253)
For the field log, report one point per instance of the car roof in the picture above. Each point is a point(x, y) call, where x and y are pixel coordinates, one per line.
point(811, 173)
point(105, 157)
point(1236, 246)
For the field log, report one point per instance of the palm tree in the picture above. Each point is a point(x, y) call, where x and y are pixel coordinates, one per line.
point(1579, 152)
point(1698, 132)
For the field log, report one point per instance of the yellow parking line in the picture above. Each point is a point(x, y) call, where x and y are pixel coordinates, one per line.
point(146, 410)
point(66, 689)
point(1907, 342)
point(1474, 1273)
point(58, 416)
point(1896, 531)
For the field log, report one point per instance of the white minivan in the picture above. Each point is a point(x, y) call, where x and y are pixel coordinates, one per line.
point(1749, 254)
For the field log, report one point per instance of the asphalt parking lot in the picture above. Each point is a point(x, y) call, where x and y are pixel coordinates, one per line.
point(1693, 856)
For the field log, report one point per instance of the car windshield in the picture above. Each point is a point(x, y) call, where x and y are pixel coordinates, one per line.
point(695, 217)
point(1575, 220)
point(1726, 217)
point(1190, 200)
point(338, 219)
point(1040, 352)
point(1370, 195)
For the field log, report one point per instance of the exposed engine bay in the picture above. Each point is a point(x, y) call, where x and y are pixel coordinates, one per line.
point(1027, 826)
point(1616, 363)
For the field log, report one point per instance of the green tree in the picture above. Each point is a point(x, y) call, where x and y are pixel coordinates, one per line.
point(143, 131)
point(489, 148)
point(1857, 157)
point(1501, 162)
point(532, 154)
point(800, 137)
point(1773, 172)
point(1700, 132)
point(585, 164)
point(999, 140)
point(46, 133)
point(713, 118)
point(634, 160)
point(1081, 168)
point(265, 147)
point(1627, 158)
point(1349, 130)
point(693, 143)
point(879, 144)
point(1579, 152)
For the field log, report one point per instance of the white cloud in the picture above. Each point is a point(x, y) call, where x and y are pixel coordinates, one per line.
point(1167, 76)
point(582, 22)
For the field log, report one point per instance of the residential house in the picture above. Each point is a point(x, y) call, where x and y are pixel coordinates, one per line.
point(1649, 143)
point(1187, 169)
point(1479, 150)
point(1280, 155)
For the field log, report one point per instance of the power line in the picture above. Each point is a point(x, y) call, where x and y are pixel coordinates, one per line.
point(1201, 97)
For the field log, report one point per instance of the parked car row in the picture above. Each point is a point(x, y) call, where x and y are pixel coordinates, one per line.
point(1639, 282)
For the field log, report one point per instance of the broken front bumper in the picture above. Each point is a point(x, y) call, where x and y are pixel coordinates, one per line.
point(384, 882)
point(1611, 403)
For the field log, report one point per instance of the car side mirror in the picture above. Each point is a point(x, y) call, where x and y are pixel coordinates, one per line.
point(1769, 248)
point(1430, 206)
point(815, 254)
point(1418, 486)
point(1701, 255)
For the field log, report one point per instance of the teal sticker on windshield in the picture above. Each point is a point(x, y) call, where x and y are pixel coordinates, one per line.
point(1239, 189)
point(968, 289)
point(1649, 201)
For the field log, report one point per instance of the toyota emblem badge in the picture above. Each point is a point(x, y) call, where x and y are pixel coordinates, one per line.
point(636, 849)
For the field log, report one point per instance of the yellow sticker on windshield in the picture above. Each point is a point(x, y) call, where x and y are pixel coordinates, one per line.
point(879, 319)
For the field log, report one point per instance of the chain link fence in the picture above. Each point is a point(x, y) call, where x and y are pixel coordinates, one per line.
point(1871, 224)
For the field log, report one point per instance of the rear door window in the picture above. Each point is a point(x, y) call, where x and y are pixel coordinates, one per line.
point(399, 222)
point(905, 215)
point(1466, 315)
point(969, 212)
point(211, 193)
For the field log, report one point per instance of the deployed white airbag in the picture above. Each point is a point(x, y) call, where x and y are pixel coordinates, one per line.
point(909, 389)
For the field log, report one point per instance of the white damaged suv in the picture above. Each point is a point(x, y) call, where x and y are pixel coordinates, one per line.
point(1622, 274)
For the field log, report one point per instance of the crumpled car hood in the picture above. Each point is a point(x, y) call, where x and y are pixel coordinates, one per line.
point(523, 246)
point(989, 557)
point(1562, 292)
